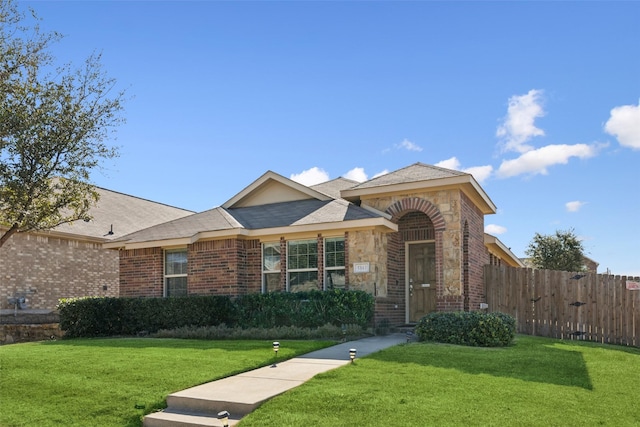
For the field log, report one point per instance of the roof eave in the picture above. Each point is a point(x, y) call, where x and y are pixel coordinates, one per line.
point(381, 224)
point(504, 252)
point(465, 182)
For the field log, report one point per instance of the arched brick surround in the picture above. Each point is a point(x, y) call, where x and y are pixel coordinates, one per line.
point(399, 208)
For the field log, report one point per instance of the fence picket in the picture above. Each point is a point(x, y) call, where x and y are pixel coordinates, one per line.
point(545, 303)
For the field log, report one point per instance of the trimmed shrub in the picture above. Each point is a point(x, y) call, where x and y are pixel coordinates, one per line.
point(467, 328)
point(99, 316)
point(328, 331)
point(305, 309)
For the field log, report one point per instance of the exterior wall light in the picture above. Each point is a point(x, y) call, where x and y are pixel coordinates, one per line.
point(352, 354)
point(224, 418)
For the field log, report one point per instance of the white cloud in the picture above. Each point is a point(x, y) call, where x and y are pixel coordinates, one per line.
point(452, 163)
point(574, 206)
point(624, 124)
point(356, 174)
point(311, 176)
point(518, 126)
point(537, 161)
point(408, 145)
point(494, 229)
point(384, 172)
point(480, 173)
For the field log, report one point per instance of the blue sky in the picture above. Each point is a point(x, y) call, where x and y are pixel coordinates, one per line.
point(539, 100)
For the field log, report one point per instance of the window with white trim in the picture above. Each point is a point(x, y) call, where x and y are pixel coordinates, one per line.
point(334, 260)
point(175, 273)
point(270, 267)
point(302, 265)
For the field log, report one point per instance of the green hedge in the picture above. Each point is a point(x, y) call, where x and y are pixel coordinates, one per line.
point(305, 309)
point(93, 317)
point(467, 328)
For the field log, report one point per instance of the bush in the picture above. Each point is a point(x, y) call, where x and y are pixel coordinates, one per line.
point(467, 328)
point(328, 331)
point(305, 309)
point(99, 316)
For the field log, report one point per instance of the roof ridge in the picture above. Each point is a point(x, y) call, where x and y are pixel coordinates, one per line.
point(142, 198)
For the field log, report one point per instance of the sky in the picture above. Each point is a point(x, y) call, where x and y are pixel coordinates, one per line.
point(540, 101)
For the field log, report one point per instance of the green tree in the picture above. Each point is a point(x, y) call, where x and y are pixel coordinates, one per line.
point(54, 124)
point(561, 251)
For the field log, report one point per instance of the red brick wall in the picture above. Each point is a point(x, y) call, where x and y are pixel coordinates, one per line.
point(141, 273)
point(412, 226)
point(224, 267)
point(476, 254)
point(253, 275)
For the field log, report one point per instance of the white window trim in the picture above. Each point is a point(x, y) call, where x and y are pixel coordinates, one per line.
point(299, 270)
point(326, 269)
point(265, 272)
point(166, 276)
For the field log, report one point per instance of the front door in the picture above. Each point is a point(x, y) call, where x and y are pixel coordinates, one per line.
point(421, 278)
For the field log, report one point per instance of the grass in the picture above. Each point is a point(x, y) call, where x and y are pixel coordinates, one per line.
point(115, 382)
point(536, 382)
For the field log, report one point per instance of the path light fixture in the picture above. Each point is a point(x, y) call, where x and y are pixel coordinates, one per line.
point(276, 347)
point(224, 418)
point(352, 354)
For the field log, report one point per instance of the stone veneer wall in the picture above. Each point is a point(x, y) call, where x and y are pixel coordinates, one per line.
point(46, 268)
point(449, 238)
point(368, 246)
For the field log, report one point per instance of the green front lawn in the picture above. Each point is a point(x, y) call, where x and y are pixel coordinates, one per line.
point(114, 382)
point(536, 382)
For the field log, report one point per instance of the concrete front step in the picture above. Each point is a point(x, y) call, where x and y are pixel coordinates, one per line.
point(175, 419)
point(239, 395)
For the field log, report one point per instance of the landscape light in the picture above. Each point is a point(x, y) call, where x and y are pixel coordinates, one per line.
point(224, 418)
point(276, 347)
point(352, 354)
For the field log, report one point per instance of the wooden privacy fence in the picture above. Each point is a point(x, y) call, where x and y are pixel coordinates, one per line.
point(559, 304)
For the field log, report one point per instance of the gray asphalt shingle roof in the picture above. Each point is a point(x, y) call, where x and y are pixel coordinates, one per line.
point(122, 214)
point(300, 212)
point(412, 173)
point(335, 186)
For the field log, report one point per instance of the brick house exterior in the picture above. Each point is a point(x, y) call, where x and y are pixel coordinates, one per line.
point(70, 261)
point(413, 238)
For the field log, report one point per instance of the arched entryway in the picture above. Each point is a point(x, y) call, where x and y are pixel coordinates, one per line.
point(414, 255)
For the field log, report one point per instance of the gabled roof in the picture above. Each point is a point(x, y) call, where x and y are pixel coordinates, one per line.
point(117, 214)
point(495, 246)
point(255, 221)
point(335, 186)
point(420, 176)
point(273, 188)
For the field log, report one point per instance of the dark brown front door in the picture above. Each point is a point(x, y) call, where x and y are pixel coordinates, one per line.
point(421, 279)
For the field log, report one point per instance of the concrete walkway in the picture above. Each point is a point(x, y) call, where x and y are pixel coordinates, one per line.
point(243, 393)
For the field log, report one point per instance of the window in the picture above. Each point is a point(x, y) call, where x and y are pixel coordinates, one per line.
point(302, 265)
point(270, 267)
point(175, 273)
point(334, 263)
